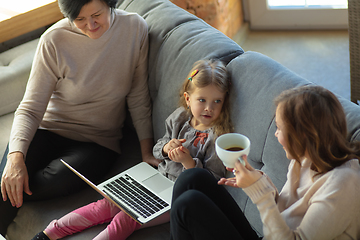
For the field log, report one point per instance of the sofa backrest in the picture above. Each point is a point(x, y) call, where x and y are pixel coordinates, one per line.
point(257, 80)
point(177, 40)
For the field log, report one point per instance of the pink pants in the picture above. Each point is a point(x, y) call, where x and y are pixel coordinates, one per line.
point(102, 211)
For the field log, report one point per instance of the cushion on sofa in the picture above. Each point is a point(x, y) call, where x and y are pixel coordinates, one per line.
point(14, 71)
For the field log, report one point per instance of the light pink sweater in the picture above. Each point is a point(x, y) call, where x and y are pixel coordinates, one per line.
point(323, 209)
point(79, 87)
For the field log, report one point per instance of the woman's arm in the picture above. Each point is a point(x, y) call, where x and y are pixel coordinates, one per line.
point(138, 99)
point(262, 193)
point(40, 86)
point(325, 211)
point(27, 118)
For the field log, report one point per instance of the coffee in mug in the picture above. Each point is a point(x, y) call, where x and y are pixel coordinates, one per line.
point(235, 149)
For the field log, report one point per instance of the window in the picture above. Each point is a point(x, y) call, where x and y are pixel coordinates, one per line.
point(297, 14)
point(10, 9)
point(23, 16)
point(322, 4)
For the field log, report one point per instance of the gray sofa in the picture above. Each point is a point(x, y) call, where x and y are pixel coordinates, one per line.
point(177, 40)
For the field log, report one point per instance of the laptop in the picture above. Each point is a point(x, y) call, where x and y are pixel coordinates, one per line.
point(142, 192)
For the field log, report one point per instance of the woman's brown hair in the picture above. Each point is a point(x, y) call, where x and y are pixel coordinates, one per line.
point(210, 72)
point(315, 124)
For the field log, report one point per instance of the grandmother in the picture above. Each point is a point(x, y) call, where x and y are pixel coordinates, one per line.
point(88, 69)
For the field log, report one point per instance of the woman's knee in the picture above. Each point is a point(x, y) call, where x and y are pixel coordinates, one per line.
point(191, 177)
point(187, 203)
point(195, 178)
point(193, 174)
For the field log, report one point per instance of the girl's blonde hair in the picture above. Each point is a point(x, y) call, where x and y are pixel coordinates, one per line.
point(315, 123)
point(210, 72)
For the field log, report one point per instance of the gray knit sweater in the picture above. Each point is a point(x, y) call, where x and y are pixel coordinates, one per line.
point(201, 148)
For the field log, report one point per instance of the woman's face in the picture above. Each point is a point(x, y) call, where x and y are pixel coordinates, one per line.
point(93, 19)
point(280, 128)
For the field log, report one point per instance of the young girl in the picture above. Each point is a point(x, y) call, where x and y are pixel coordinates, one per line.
point(320, 199)
point(188, 143)
point(192, 128)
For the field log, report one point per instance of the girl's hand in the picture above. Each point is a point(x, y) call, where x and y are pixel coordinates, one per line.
point(182, 155)
point(244, 175)
point(172, 144)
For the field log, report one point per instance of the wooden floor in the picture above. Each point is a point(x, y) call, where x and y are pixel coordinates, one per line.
point(321, 57)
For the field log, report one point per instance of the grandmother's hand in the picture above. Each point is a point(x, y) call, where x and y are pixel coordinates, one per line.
point(150, 159)
point(146, 146)
point(15, 179)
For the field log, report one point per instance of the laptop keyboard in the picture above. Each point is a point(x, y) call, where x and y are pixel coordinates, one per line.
point(136, 196)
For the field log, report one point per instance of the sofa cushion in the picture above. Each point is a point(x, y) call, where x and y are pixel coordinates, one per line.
point(15, 67)
point(175, 44)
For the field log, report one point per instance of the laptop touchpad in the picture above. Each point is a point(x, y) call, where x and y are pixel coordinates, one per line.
point(157, 183)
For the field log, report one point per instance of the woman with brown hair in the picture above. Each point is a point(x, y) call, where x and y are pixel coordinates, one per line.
point(320, 199)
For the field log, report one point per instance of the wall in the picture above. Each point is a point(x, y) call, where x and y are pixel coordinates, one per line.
point(224, 15)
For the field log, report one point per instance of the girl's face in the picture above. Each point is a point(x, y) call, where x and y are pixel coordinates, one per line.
point(280, 128)
point(205, 105)
point(93, 19)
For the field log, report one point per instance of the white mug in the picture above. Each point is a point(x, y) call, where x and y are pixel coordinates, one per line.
point(230, 147)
